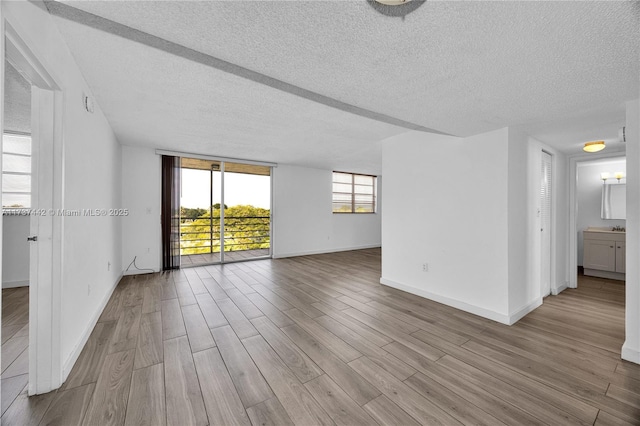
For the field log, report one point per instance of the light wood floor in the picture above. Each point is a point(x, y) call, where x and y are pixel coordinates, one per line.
point(316, 340)
point(15, 344)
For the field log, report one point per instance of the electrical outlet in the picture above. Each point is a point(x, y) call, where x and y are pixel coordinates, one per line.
point(425, 267)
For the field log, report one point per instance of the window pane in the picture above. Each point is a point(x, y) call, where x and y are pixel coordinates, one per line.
point(342, 177)
point(16, 163)
point(341, 208)
point(16, 144)
point(359, 189)
point(350, 188)
point(16, 200)
point(364, 208)
point(16, 183)
point(342, 199)
point(363, 180)
point(364, 199)
point(342, 187)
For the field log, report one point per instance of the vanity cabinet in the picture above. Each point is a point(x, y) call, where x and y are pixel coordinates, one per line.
point(621, 256)
point(604, 254)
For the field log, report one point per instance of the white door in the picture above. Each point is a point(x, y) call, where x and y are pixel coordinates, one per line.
point(545, 224)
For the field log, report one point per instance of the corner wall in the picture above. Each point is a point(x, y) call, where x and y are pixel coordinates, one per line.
point(523, 180)
point(303, 222)
point(446, 204)
point(631, 347)
point(141, 194)
point(464, 206)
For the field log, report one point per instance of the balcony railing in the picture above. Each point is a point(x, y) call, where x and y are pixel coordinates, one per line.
point(202, 235)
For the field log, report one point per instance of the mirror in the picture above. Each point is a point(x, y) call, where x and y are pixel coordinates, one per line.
point(614, 201)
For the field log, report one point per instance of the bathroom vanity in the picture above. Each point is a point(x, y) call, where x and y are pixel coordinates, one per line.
point(604, 253)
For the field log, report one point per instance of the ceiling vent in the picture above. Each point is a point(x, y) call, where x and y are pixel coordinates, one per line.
point(622, 134)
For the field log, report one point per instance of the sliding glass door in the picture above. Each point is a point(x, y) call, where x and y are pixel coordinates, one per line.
point(247, 216)
point(225, 212)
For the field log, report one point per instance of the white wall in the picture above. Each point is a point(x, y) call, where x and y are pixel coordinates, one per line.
point(141, 192)
point(522, 290)
point(631, 348)
point(15, 251)
point(303, 221)
point(524, 224)
point(465, 207)
point(446, 205)
point(91, 180)
point(589, 195)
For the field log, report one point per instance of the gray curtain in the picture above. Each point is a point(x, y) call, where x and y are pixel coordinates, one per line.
point(170, 212)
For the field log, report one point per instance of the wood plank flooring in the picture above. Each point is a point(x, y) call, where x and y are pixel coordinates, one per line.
point(317, 340)
point(15, 344)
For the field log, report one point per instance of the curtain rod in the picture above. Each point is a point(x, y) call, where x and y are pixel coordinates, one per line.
point(214, 158)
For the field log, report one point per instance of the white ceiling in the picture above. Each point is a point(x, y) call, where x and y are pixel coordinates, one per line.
point(559, 70)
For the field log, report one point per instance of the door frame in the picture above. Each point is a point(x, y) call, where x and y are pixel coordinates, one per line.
point(551, 254)
point(45, 289)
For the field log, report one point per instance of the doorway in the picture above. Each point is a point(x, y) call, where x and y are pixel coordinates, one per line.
point(225, 211)
point(576, 208)
point(40, 167)
point(16, 200)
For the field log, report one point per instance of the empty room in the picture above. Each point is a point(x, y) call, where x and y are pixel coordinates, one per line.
point(357, 212)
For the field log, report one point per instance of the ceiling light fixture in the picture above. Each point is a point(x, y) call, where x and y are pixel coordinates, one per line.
point(395, 8)
point(594, 146)
point(393, 2)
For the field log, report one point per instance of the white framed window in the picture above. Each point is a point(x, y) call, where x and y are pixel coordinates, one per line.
point(16, 171)
point(354, 193)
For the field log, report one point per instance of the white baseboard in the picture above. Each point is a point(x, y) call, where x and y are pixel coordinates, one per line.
point(556, 291)
point(520, 313)
point(630, 354)
point(139, 272)
point(14, 284)
point(333, 250)
point(73, 357)
point(604, 274)
point(463, 306)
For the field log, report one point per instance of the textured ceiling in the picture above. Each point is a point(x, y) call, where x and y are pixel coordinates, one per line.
point(17, 101)
point(559, 70)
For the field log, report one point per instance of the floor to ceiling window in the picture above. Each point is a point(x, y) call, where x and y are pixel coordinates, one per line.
point(225, 211)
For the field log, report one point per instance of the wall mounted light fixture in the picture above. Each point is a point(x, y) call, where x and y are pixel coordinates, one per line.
point(606, 175)
point(594, 146)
